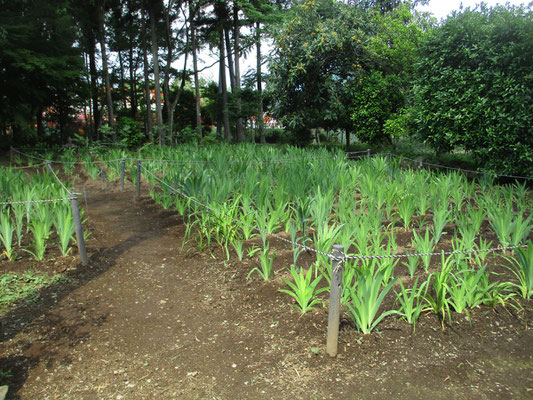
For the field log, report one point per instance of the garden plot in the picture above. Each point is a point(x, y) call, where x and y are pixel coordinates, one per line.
point(36, 226)
point(458, 234)
point(145, 258)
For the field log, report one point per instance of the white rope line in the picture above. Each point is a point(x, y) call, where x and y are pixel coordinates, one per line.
point(331, 256)
point(446, 253)
point(87, 162)
point(219, 213)
point(185, 162)
point(282, 161)
point(9, 203)
point(461, 169)
point(285, 160)
point(31, 156)
point(354, 153)
point(29, 166)
point(57, 179)
point(64, 162)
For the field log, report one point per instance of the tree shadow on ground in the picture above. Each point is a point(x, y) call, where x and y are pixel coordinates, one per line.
point(36, 315)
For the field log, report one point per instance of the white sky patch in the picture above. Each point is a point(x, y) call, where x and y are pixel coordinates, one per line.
point(441, 8)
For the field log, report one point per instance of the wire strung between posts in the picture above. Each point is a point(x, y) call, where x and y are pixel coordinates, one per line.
point(354, 153)
point(31, 156)
point(462, 170)
point(280, 161)
point(283, 160)
point(331, 256)
point(87, 162)
point(65, 162)
point(29, 166)
point(219, 213)
point(445, 253)
point(57, 179)
point(10, 203)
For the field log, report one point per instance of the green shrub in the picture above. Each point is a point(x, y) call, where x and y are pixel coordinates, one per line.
point(475, 87)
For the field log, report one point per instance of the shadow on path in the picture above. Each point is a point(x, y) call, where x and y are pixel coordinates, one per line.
point(37, 316)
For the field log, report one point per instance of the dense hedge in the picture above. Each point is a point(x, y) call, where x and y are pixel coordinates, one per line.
point(474, 87)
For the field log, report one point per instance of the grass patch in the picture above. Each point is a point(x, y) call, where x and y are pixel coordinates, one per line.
point(15, 287)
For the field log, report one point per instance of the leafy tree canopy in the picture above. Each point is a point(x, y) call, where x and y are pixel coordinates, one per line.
point(475, 87)
point(40, 66)
point(327, 51)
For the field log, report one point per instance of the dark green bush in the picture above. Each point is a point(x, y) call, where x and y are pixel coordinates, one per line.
point(475, 87)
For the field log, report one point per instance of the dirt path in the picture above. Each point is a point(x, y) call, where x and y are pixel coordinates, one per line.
point(150, 320)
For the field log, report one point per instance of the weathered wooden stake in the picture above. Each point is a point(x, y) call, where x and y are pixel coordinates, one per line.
point(49, 166)
point(335, 300)
point(102, 176)
point(79, 229)
point(388, 156)
point(122, 172)
point(85, 197)
point(368, 153)
point(138, 178)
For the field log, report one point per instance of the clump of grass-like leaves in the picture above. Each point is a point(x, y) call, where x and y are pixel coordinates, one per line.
point(365, 298)
point(522, 268)
point(303, 290)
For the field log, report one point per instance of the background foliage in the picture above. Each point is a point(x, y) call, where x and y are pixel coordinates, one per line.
point(363, 72)
point(475, 87)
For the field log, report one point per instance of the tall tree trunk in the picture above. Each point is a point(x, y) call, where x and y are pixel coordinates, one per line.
point(133, 85)
point(95, 105)
point(172, 106)
point(219, 92)
point(157, 83)
point(149, 123)
point(88, 116)
point(109, 99)
point(260, 113)
point(230, 60)
point(170, 103)
point(225, 117)
point(198, 100)
point(122, 83)
point(347, 134)
point(166, 73)
point(237, 88)
point(39, 123)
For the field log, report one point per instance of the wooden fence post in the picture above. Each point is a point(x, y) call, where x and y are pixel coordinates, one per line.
point(138, 178)
point(122, 173)
point(102, 176)
point(368, 153)
point(335, 300)
point(79, 229)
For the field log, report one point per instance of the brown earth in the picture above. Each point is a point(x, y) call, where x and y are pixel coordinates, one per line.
point(148, 319)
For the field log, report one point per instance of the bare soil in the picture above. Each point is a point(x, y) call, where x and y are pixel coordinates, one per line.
point(148, 319)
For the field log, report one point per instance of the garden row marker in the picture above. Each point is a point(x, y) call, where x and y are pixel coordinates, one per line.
point(79, 230)
point(102, 175)
point(368, 153)
point(138, 178)
point(122, 172)
point(335, 300)
point(76, 216)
